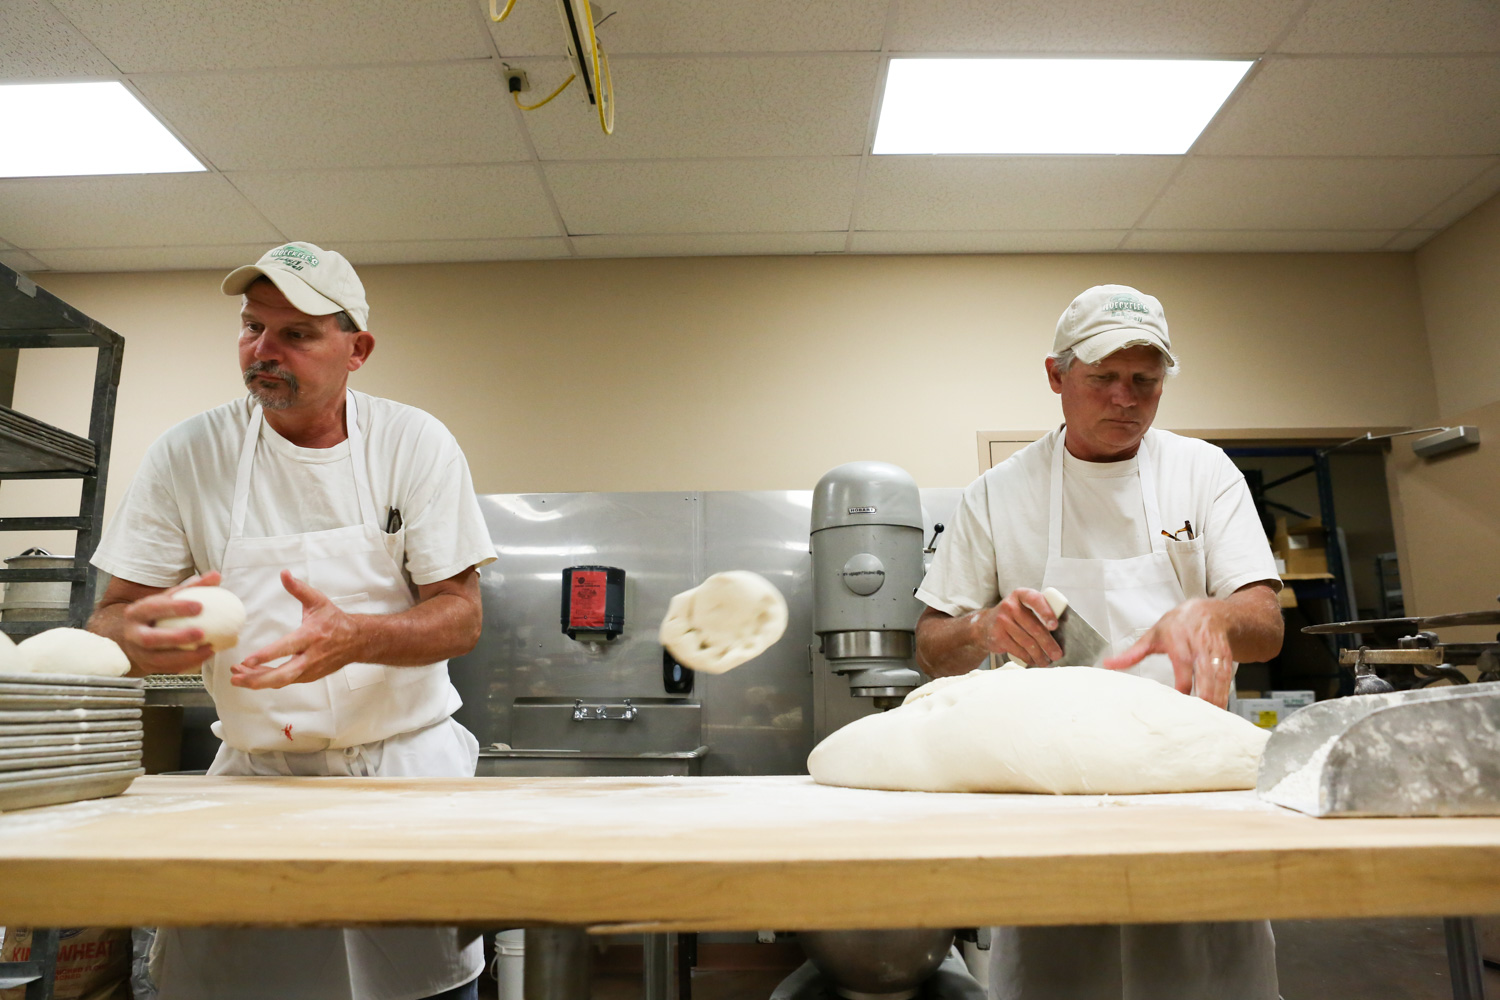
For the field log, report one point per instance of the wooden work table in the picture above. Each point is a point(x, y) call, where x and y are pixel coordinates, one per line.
point(627, 854)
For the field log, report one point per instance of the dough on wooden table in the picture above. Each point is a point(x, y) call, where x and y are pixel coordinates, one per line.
point(221, 619)
point(73, 651)
point(726, 620)
point(11, 661)
point(1062, 730)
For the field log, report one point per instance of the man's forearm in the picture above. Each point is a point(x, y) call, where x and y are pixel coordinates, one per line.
point(947, 645)
point(1251, 617)
point(441, 627)
point(108, 620)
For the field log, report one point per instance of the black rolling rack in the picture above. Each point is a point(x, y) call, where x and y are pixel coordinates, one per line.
point(31, 317)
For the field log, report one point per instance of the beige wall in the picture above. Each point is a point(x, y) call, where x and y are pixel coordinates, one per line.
point(1459, 275)
point(1449, 508)
point(762, 373)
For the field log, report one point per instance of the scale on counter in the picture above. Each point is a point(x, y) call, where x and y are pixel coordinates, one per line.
point(1421, 751)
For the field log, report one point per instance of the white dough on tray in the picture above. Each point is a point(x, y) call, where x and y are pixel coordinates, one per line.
point(1060, 730)
point(73, 651)
point(726, 620)
point(221, 619)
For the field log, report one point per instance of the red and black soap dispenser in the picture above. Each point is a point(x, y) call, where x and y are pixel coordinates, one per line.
point(593, 602)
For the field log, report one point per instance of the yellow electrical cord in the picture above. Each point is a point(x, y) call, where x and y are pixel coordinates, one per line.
point(604, 84)
point(497, 18)
point(532, 107)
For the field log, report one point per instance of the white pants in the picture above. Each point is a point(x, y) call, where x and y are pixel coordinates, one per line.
point(392, 963)
point(1209, 961)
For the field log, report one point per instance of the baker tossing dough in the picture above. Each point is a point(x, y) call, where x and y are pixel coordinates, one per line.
point(221, 619)
point(73, 651)
point(1063, 730)
point(728, 619)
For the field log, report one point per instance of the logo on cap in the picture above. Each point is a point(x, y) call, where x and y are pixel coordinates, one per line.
point(1126, 303)
point(293, 257)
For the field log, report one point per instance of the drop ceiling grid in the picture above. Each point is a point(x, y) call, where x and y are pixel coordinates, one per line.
point(774, 106)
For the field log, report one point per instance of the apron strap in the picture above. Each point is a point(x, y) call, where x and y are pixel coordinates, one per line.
point(241, 504)
point(242, 473)
point(361, 471)
point(1144, 470)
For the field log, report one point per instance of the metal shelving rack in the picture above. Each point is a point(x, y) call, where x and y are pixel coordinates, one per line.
point(31, 317)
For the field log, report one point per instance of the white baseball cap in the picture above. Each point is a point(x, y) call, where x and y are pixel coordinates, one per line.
point(319, 282)
point(1110, 318)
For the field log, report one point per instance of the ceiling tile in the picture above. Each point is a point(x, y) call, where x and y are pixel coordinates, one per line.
point(1256, 241)
point(385, 116)
point(1478, 191)
point(1009, 192)
point(1005, 241)
point(430, 251)
point(412, 203)
point(1412, 239)
point(152, 36)
point(178, 258)
point(708, 244)
point(35, 43)
point(665, 26)
point(20, 260)
point(1363, 107)
point(1397, 26)
point(1295, 193)
point(808, 105)
point(128, 211)
point(705, 196)
point(1198, 27)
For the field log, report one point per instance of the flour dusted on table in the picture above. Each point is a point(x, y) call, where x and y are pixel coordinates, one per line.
point(1059, 730)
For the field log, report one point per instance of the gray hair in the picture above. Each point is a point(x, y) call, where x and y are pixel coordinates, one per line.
point(1063, 360)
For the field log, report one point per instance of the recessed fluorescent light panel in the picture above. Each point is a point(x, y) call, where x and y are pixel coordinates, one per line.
point(68, 129)
point(1051, 106)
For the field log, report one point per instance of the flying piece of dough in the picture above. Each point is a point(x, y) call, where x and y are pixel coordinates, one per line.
point(73, 651)
point(1063, 730)
point(725, 621)
point(221, 619)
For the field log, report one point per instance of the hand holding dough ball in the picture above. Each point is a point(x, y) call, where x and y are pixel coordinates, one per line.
point(725, 621)
point(221, 619)
point(73, 651)
point(11, 660)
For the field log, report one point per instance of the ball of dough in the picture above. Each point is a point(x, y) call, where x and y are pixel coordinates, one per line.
point(73, 651)
point(221, 619)
point(725, 621)
point(1063, 730)
point(11, 660)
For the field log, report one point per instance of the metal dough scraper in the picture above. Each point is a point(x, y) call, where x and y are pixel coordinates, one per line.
point(1081, 643)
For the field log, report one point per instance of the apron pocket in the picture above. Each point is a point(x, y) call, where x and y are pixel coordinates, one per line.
point(363, 674)
point(1190, 562)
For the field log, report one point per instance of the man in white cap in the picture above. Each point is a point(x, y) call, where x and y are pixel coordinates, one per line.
point(349, 528)
point(1153, 538)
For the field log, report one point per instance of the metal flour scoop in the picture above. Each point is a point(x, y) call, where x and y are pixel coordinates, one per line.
point(1428, 752)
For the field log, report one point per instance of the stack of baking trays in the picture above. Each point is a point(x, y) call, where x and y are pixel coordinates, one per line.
point(65, 737)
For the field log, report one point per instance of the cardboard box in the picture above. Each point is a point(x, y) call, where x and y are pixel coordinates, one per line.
point(1301, 547)
point(1266, 713)
point(1294, 700)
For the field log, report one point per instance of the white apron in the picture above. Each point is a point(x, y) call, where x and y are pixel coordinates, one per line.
point(1123, 598)
point(364, 720)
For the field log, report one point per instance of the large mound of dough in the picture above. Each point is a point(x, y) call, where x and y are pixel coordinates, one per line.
point(1063, 730)
point(726, 620)
point(73, 651)
point(221, 619)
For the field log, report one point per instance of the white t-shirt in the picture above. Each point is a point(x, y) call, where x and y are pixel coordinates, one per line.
point(998, 539)
point(174, 520)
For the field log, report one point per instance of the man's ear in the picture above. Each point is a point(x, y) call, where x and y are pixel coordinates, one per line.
point(364, 346)
point(1054, 377)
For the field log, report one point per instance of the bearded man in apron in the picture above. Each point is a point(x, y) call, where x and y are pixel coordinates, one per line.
point(1154, 539)
point(349, 528)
